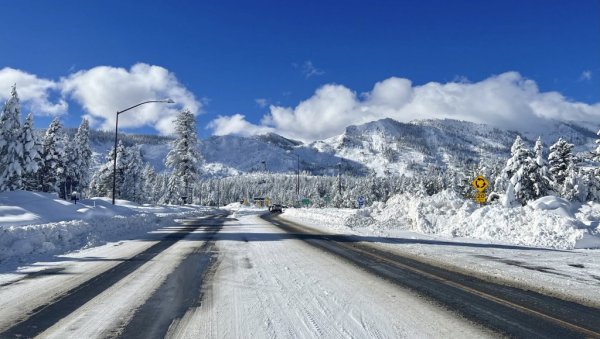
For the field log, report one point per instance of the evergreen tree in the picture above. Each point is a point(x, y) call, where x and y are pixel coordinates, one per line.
point(149, 184)
point(130, 178)
point(539, 174)
point(121, 168)
point(32, 159)
point(594, 176)
point(101, 182)
point(70, 167)
point(572, 184)
point(11, 149)
point(560, 158)
point(53, 156)
point(183, 159)
point(517, 174)
point(172, 188)
point(509, 199)
point(133, 181)
point(592, 185)
point(82, 157)
point(596, 152)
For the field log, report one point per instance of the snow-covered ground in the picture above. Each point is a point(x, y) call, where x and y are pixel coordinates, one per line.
point(35, 226)
point(538, 246)
point(265, 284)
point(269, 285)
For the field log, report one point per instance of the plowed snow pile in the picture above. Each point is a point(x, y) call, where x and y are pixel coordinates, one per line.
point(547, 222)
point(36, 225)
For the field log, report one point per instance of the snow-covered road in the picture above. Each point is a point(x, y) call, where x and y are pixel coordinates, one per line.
point(222, 276)
point(264, 283)
point(270, 284)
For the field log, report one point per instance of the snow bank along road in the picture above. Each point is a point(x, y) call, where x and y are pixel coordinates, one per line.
point(234, 276)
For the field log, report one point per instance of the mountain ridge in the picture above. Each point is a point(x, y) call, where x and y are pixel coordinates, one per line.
point(382, 147)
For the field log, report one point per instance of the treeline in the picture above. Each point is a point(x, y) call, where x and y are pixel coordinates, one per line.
point(52, 162)
point(59, 161)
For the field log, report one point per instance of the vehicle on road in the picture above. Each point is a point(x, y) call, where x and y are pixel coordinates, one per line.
point(276, 208)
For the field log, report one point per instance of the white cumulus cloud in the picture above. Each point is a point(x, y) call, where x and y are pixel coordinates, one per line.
point(236, 124)
point(507, 100)
point(34, 92)
point(103, 90)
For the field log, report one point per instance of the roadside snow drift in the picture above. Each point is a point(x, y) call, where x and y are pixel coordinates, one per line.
point(34, 225)
point(549, 222)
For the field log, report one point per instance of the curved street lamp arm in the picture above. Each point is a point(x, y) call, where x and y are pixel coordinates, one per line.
point(168, 101)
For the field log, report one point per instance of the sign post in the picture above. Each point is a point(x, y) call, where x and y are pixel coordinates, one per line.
point(75, 196)
point(361, 201)
point(480, 185)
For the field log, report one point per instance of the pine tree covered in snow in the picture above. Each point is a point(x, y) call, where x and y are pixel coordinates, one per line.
point(149, 185)
point(121, 168)
point(11, 149)
point(593, 176)
point(32, 159)
point(70, 165)
point(133, 181)
point(540, 174)
point(130, 183)
point(82, 157)
point(183, 159)
point(518, 173)
point(560, 158)
point(572, 184)
point(101, 182)
point(591, 189)
point(53, 156)
point(509, 199)
point(596, 152)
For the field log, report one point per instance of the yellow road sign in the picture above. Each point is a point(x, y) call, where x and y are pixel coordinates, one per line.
point(480, 183)
point(481, 197)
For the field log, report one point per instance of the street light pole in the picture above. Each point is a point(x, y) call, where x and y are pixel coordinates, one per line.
point(340, 178)
point(166, 101)
point(297, 173)
point(298, 178)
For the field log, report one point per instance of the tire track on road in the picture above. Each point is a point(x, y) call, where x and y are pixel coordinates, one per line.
point(178, 293)
point(502, 308)
point(47, 315)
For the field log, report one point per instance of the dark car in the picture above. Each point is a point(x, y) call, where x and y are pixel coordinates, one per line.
point(276, 208)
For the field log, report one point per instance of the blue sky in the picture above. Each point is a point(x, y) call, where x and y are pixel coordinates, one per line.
point(243, 56)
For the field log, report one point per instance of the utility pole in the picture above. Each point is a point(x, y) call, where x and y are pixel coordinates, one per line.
point(218, 192)
point(340, 178)
point(297, 173)
point(298, 178)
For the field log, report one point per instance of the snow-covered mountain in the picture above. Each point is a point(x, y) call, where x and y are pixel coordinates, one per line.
point(385, 146)
point(272, 153)
point(389, 146)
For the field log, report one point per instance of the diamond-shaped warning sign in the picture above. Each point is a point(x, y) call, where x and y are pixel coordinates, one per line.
point(480, 183)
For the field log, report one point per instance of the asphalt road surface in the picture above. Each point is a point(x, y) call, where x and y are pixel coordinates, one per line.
point(508, 310)
point(176, 294)
point(250, 276)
